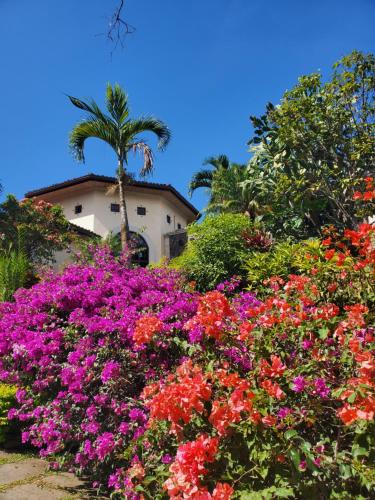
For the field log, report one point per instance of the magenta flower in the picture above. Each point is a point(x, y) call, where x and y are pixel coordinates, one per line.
point(110, 371)
point(104, 444)
point(321, 388)
point(123, 428)
point(302, 465)
point(284, 412)
point(167, 459)
point(299, 384)
point(307, 344)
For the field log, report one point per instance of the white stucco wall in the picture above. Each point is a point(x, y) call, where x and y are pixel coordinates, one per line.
point(96, 214)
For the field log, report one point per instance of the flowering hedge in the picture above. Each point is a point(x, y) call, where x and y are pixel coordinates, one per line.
point(156, 391)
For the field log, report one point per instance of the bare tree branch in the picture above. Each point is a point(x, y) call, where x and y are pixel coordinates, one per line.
point(118, 28)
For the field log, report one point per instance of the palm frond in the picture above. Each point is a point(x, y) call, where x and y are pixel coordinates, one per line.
point(148, 158)
point(117, 103)
point(87, 129)
point(202, 178)
point(91, 108)
point(78, 103)
point(218, 162)
point(132, 128)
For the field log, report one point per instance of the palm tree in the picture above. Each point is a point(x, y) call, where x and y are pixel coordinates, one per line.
point(227, 194)
point(224, 184)
point(204, 177)
point(122, 134)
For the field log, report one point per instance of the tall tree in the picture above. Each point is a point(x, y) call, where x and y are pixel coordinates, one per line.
point(317, 146)
point(121, 133)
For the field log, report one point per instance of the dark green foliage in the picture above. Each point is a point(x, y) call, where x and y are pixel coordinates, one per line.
point(223, 181)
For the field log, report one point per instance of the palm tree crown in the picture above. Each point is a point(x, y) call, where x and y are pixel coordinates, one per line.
point(204, 177)
point(121, 132)
point(224, 182)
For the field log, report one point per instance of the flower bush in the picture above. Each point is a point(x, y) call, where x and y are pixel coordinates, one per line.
point(72, 346)
point(297, 421)
point(156, 391)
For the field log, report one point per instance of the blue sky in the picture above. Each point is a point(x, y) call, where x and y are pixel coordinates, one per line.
point(202, 66)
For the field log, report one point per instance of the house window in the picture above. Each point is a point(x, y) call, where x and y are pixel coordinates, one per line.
point(141, 211)
point(178, 226)
point(115, 207)
point(168, 219)
point(78, 209)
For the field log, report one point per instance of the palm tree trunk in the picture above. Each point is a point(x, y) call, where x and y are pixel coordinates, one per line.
point(124, 223)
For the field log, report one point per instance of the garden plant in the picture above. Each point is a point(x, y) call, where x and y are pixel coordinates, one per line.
point(153, 390)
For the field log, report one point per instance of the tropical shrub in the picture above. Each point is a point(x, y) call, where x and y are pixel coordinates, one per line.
point(215, 251)
point(281, 259)
point(277, 399)
point(42, 227)
point(7, 401)
point(331, 262)
point(156, 391)
point(267, 392)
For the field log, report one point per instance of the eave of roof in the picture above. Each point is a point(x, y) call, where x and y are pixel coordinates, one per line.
point(112, 180)
point(83, 231)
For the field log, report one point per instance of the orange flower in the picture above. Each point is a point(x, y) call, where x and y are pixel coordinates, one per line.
point(184, 393)
point(276, 369)
point(328, 254)
point(269, 420)
point(213, 312)
point(145, 329)
point(273, 389)
point(222, 491)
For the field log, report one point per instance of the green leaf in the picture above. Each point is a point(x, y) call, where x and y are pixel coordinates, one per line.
point(291, 433)
point(295, 456)
point(305, 447)
point(323, 333)
point(345, 471)
point(358, 452)
point(352, 397)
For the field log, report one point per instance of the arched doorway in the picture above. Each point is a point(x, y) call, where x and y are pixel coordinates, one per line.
point(139, 247)
point(140, 255)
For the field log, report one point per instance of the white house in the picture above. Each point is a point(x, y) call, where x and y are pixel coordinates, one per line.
point(158, 213)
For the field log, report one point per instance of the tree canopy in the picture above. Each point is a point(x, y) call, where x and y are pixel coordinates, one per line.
point(314, 149)
point(38, 226)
